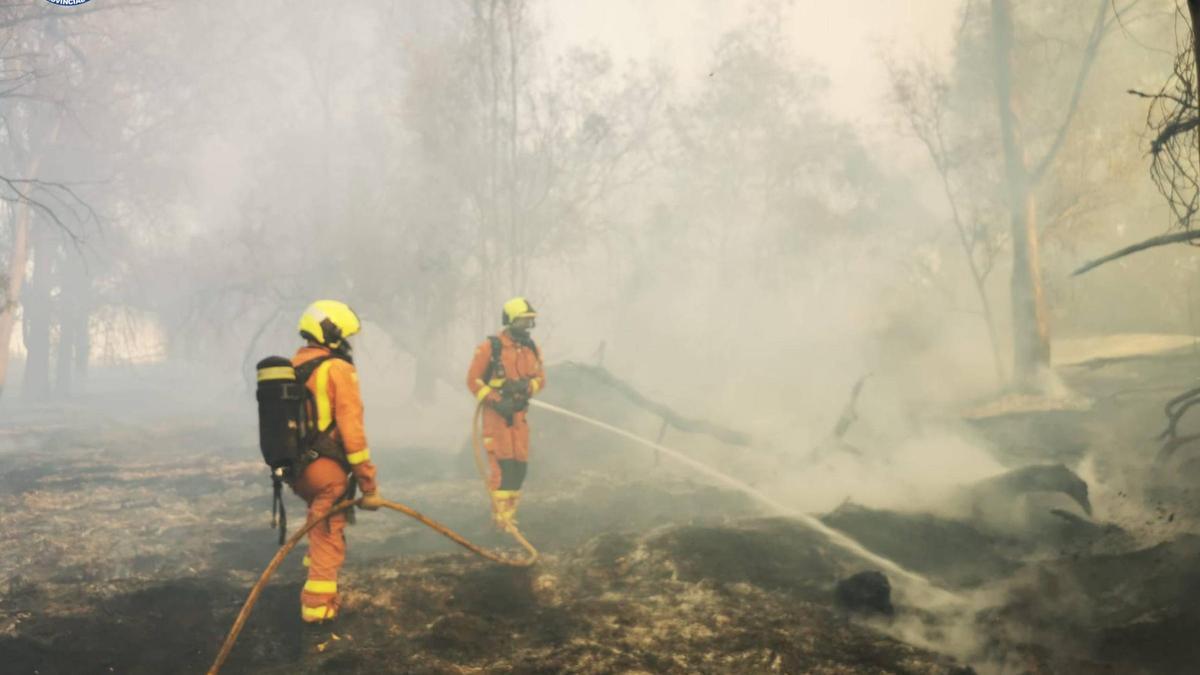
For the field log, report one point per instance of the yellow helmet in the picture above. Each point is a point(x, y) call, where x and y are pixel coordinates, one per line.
point(328, 322)
point(517, 308)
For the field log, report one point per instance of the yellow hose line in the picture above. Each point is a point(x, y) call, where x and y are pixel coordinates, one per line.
point(477, 445)
point(283, 551)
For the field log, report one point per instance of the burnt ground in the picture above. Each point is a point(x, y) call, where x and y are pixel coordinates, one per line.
point(129, 549)
point(129, 546)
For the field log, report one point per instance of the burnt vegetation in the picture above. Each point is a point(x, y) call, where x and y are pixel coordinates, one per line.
point(927, 446)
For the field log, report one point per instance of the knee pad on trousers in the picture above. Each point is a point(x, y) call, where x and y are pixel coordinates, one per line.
point(512, 474)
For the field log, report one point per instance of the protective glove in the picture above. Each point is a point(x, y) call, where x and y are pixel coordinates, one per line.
point(371, 501)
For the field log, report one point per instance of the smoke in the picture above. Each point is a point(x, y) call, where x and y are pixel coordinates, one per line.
point(715, 204)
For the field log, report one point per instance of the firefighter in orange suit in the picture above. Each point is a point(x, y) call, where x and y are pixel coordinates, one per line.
point(340, 449)
point(505, 372)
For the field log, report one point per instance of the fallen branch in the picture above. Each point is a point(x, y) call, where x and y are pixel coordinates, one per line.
point(849, 416)
point(669, 416)
point(1168, 449)
point(1161, 240)
point(1172, 130)
point(1175, 410)
point(850, 411)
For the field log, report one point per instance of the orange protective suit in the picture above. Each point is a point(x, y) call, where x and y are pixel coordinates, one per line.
point(505, 443)
point(334, 386)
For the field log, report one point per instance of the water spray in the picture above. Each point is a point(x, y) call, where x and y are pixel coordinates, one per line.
point(837, 538)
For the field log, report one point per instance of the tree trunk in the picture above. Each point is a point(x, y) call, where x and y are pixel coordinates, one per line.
point(17, 265)
point(978, 275)
point(72, 320)
point(517, 276)
point(36, 319)
point(81, 321)
point(83, 346)
point(1194, 13)
point(1031, 332)
point(989, 321)
point(19, 262)
point(64, 357)
point(492, 219)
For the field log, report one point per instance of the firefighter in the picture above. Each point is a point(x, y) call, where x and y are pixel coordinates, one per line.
point(505, 372)
point(340, 450)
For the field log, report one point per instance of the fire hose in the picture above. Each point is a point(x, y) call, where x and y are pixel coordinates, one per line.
point(834, 536)
point(277, 560)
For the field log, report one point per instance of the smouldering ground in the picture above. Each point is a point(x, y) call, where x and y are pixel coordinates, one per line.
point(129, 549)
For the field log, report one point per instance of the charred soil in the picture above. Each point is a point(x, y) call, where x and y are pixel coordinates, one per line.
point(130, 547)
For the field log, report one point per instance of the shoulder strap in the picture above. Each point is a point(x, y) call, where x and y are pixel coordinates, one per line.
point(304, 371)
point(528, 342)
point(494, 365)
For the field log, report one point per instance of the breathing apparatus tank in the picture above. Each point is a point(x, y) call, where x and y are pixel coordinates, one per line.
point(282, 427)
point(281, 413)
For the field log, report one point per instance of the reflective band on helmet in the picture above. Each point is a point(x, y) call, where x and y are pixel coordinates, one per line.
point(483, 392)
point(277, 373)
point(356, 458)
point(320, 587)
point(324, 409)
point(317, 613)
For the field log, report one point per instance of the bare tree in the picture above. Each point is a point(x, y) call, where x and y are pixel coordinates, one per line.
point(923, 95)
point(48, 58)
point(1031, 330)
point(1173, 122)
point(27, 139)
